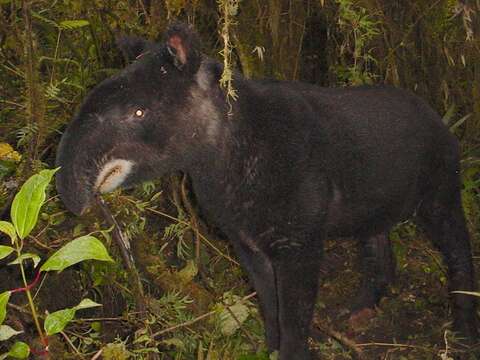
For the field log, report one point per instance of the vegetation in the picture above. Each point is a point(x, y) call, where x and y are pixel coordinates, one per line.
point(198, 302)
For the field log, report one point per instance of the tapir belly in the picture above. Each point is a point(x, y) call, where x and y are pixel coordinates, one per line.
point(354, 213)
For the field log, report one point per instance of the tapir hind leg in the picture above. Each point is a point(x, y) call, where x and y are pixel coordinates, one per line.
point(378, 269)
point(442, 216)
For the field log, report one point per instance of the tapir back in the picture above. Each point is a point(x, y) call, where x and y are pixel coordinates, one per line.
point(376, 147)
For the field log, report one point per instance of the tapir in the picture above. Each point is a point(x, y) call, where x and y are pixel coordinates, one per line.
point(280, 169)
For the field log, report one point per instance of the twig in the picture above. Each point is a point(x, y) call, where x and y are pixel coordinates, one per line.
point(39, 243)
point(19, 308)
point(67, 339)
point(97, 355)
point(100, 319)
point(122, 243)
point(124, 246)
point(406, 346)
point(193, 217)
point(342, 339)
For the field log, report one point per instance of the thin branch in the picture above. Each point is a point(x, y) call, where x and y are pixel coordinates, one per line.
point(342, 339)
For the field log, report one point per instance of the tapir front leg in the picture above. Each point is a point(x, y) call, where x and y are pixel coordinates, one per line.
point(296, 272)
point(261, 274)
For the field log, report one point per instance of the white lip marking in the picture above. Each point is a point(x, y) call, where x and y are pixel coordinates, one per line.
point(113, 174)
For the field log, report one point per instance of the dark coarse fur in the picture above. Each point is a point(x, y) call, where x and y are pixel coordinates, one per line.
point(293, 164)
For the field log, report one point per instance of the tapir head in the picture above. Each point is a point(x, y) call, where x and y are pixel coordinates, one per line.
point(140, 123)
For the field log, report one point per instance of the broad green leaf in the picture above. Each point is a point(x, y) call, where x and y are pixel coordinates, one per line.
point(28, 201)
point(5, 251)
point(56, 321)
point(19, 350)
point(83, 248)
point(73, 24)
point(4, 297)
point(34, 257)
point(8, 228)
point(6, 332)
point(86, 304)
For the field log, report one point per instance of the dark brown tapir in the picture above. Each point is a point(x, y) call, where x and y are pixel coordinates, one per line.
point(288, 166)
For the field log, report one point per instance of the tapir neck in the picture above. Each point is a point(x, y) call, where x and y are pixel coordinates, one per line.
point(222, 171)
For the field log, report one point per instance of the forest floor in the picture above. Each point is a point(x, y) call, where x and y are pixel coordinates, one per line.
point(409, 323)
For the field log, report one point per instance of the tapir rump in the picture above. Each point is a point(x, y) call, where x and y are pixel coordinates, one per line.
point(287, 166)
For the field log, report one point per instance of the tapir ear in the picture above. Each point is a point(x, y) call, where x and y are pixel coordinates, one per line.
point(183, 45)
point(133, 46)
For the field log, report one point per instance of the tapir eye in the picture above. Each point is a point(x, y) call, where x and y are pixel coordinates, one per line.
point(139, 113)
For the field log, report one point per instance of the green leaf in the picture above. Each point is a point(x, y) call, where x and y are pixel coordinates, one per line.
point(73, 24)
point(449, 114)
point(86, 304)
point(35, 258)
point(6, 332)
point(19, 350)
point(187, 274)
point(176, 342)
point(28, 201)
point(44, 19)
point(96, 326)
point(83, 248)
point(4, 297)
point(56, 321)
point(6, 168)
point(5, 251)
point(8, 228)
point(260, 356)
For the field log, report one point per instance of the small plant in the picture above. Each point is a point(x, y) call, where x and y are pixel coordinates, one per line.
point(24, 214)
point(361, 28)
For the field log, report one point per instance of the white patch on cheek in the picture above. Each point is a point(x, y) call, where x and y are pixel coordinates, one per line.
point(113, 174)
